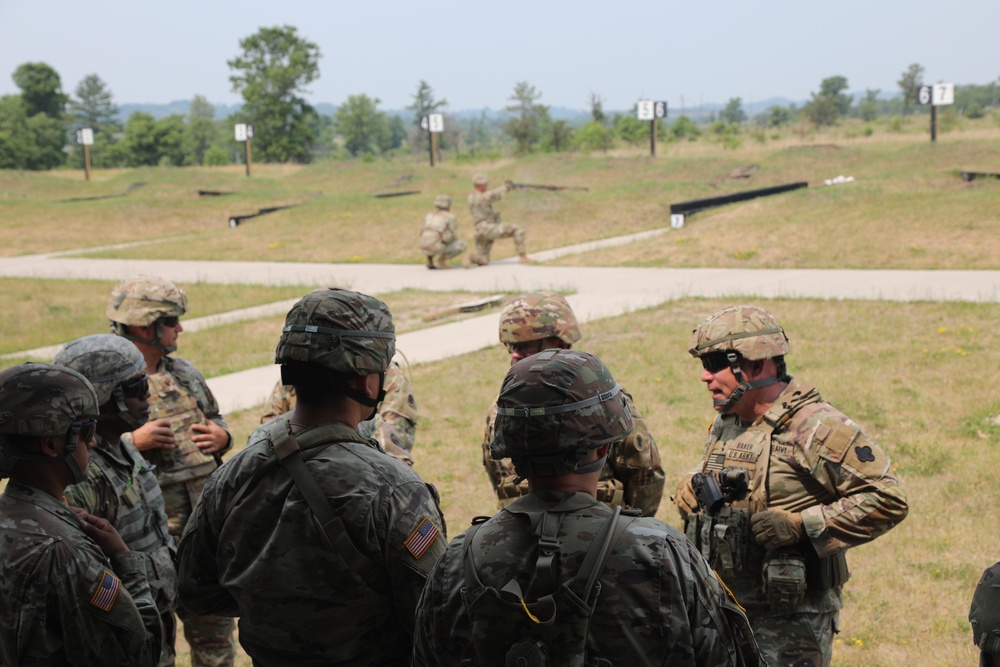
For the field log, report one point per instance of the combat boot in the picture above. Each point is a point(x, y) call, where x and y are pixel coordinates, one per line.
point(524, 259)
point(430, 262)
point(441, 263)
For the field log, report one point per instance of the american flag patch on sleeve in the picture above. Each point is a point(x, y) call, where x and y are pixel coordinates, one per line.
point(107, 592)
point(421, 539)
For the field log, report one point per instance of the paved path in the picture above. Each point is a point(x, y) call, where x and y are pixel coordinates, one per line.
point(597, 292)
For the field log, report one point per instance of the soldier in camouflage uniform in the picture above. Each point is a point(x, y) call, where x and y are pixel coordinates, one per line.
point(790, 484)
point(439, 237)
point(557, 577)
point(71, 592)
point(487, 226)
point(120, 484)
point(985, 617)
point(324, 560)
point(185, 436)
point(633, 476)
point(395, 425)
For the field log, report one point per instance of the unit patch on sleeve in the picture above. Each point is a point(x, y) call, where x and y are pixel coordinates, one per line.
point(422, 538)
point(107, 592)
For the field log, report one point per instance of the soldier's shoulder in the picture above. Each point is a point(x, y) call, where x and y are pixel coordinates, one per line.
point(181, 368)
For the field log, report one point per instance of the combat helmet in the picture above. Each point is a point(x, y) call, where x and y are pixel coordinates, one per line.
point(143, 300)
point(442, 202)
point(984, 614)
point(44, 400)
point(538, 315)
point(736, 332)
point(480, 179)
point(113, 366)
point(553, 408)
point(345, 332)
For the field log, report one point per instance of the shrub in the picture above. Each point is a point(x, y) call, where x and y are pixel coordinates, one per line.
point(216, 156)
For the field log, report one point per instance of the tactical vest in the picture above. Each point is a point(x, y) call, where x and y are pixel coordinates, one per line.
point(550, 630)
point(173, 402)
point(141, 520)
point(725, 539)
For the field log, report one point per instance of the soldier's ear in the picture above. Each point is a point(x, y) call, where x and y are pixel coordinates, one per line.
point(51, 445)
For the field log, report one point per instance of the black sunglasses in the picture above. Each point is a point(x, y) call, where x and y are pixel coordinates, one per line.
point(715, 362)
point(137, 388)
point(82, 431)
point(170, 321)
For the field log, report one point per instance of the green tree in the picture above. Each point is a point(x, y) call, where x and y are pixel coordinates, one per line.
point(424, 102)
point(632, 130)
point(868, 106)
point(821, 110)
point(138, 146)
point(558, 137)
point(94, 106)
point(597, 109)
point(201, 131)
point(594, 136)
point(41, 90)
point(170, 140)
point(834, 87)
point(909, 83)
point(25, 142)
point(270, 74)
point(777, 116)
point(526, 117)
point(684, 128)
point(361, 125)
point(733, 112)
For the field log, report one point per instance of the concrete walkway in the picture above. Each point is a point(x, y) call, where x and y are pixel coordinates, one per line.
point(596, 292)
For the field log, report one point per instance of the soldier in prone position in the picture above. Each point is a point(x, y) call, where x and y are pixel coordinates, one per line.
point(558, 578)
point(633, 477)
point(800, 485)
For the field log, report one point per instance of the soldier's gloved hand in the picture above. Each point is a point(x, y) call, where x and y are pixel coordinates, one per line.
point(509, 184)
point(685, 499)
point(776, 528)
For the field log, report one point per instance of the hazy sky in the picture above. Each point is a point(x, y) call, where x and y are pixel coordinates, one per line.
point(473, 53)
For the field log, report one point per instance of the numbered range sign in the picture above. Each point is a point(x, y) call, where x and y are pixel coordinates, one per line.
point(660, 109)
point(924, 95)
point(644, 110)
point(676, 220)
point(943, 94)
point(243, 131)
point(85, 136)
point(433, 122)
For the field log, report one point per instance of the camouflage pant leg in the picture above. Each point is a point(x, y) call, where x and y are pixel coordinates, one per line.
point(210, 638)
point(168, 654)
point(796, 640)
point(179, 500)
point(453, 249)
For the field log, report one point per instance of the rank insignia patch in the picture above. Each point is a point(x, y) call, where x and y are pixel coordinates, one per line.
point(107, 592)
point(421, 539)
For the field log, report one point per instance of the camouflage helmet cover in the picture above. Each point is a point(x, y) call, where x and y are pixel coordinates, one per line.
point(43, 399)
point(554, 407)
point(985, 611)
point(105, 360)
point(480, 179)
point(442, 202)
point(141, 300)
point(538, 315)
point(749, 330)
point(343, 331)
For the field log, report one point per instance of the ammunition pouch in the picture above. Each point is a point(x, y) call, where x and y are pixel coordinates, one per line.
point(723, 539)
point(784, 579)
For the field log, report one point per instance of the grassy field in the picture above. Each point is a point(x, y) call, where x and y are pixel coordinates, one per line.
point(916, 376)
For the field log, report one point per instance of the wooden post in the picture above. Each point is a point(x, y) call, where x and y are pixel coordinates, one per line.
point(432, 146)
point(86, 161)
point(652, 137)
point(933, 123)
point(246, 154)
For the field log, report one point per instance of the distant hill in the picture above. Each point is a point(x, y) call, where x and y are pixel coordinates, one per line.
point(572, 116)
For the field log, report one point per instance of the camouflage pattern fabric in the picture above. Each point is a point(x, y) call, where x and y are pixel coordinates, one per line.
point(539, 315)
point(179, 392)
point(141, 300)
point(395, 425)
point(749, 330)
point(266, 561)
point(487, 227)
point(62, 602)
point(984, 614)
point(798, 639)
point(659, 602)
point(439, 237)
point(633, 476)
point(804, 456)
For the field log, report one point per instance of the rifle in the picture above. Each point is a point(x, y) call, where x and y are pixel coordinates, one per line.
point(468, 307)
point(533, 186)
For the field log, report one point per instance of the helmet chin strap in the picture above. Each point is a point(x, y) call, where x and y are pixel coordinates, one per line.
point(118, 419)
point(79, 475)
point(358, 396)
point(152, 342)
point(728, 404)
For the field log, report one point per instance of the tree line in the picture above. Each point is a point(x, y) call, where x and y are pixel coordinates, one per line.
point(37, 127)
